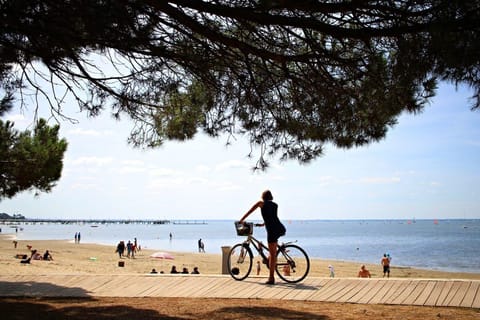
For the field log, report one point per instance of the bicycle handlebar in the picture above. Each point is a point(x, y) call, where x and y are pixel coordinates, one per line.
point(254, 224)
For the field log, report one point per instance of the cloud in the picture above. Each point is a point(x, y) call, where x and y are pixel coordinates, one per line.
point(15, 117)
point(90, 132)
point(233, 164)
point(379, 180)
point(164, 172)
point(92, 161)
point(84, 186)
point(132, 166)
point(202, 169)
point(130, 169)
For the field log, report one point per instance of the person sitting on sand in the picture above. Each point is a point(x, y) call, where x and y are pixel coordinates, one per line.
point(364, 273)
point(195, 270)
point(36, 256)
point(153, 271)
point(185, 270)
point(174, 269)
point(47, 256)
point(26, 261)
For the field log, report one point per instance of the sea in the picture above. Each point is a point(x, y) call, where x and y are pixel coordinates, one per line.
point(446, 245)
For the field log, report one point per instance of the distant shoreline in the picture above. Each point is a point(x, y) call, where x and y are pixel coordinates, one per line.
point(202, 221)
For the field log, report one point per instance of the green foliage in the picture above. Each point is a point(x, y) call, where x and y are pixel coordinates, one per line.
point(290, 75)
point(30, 160)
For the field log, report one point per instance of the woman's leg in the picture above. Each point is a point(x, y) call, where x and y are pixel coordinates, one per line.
point(272, 260)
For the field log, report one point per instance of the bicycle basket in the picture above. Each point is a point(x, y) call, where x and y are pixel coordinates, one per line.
point(244, 229)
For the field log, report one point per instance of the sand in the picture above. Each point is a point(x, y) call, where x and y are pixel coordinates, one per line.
point(83, 258)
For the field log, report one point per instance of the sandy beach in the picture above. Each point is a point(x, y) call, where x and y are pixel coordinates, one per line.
point(83, 258)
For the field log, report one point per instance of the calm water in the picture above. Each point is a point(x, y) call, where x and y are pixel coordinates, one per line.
point(451, 245)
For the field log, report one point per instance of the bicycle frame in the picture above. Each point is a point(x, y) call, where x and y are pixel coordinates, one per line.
point(260, 247)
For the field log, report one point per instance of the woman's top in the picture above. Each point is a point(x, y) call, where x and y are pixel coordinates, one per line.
point(270, 217)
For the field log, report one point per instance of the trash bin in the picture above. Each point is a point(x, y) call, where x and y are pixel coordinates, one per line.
point(225, 253)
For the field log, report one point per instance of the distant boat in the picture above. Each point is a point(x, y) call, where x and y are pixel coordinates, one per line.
point(94, 226)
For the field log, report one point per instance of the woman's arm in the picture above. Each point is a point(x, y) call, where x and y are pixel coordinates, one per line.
point(253, 208)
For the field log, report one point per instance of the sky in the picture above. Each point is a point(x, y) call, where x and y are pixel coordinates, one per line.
point(425, 168)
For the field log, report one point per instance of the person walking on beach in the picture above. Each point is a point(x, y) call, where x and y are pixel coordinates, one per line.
point(201, 246)
point(120, 249)
point(386, 266)
point(332, 271)
point(275, 229)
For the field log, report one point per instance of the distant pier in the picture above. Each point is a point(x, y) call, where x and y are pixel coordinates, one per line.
point(81, 221)
point(188, 222)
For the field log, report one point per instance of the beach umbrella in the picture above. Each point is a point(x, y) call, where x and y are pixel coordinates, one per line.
point(162, 255)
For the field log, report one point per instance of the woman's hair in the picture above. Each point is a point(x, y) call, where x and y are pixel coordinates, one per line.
point(267, 195)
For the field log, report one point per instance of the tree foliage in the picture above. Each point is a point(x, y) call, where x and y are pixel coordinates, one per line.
point(29, 160)
point(291, 75)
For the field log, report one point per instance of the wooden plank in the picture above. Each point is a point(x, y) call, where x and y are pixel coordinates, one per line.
point(470, 295)
point(367, 292)
point(404, 291)
point(233, 287)
point(384, 289)
point(357, 286)
point(307, 290)
point(459, 295)
point(392, 289)
point(213, 290)
point(344, 288)
point(155, 284)
point(444, 294)
point(298, 291)
point(138, 288)
point(259, 291)
point(95, 283)
point(144, 288)
point(476, 300)
point(246, 289)
point(203, 292)
point(451, 293)
point(425, 294)
point(174, 287)
point(186, 287)
point(217, 290)
point(330, 288)
point(437, 291)
point(107, 288)
point(165, 284)
point(413, 296)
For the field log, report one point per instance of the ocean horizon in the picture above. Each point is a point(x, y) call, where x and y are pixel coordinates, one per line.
point(437, 244)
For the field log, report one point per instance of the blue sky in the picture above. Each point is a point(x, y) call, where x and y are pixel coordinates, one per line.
point(426, 167)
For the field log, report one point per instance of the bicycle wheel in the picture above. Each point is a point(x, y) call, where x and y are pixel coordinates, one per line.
point(293, 264)
point(240, 261)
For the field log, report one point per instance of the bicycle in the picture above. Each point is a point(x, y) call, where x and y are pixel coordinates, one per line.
point(292, 265)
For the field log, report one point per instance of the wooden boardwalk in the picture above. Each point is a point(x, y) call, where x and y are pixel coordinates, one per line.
point(394, 291)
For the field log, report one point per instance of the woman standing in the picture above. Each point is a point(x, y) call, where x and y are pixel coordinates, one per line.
point(275, 229)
